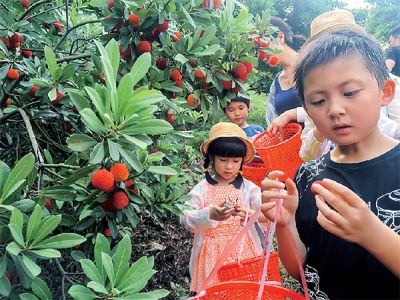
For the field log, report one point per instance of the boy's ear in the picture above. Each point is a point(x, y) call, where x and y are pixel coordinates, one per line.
point(389, 88)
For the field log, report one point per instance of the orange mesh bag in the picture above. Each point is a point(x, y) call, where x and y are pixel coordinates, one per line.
point(245, 290)
point(280, 151)
point(251, 269)
point(255, 172)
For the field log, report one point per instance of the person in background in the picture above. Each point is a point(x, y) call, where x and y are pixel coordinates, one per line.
point(393, 52)
point(237, 111)
point(282, 94)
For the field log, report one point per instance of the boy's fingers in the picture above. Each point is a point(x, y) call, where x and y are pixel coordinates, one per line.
point(347, 195)
point(329, 214)
point(291, 187)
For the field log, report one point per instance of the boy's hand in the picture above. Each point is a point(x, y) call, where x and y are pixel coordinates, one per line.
point(274, 190)
point(349, 217)
point(221, 212)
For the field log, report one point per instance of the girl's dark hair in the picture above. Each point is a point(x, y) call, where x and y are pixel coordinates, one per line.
point(339, 44)
point(225, 147)
point(294, 41)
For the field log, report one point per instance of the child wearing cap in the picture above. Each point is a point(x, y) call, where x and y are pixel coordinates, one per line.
point(221, 202)
point(343, 209)
point(237, 111)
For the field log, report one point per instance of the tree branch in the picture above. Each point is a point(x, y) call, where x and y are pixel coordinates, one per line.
point(43, 12)
point(31, 7)
point(60, 166)
point(32, 137)
point(73, 28)
point(73, 57)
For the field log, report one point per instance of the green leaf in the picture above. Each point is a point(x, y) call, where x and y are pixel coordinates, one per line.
point(61, 241)
point(14, 188)
point(40, 288)
point(135, 141)
point(28, 296)
point(208, 35)
point(188, 17)
point(80, 142)
point(125, 90)
point(46, 253)
point(97, 287)
point(31, 266)
point(137, 276)
point(51, 61)
point(67, 72)
point(97, 154)
point(5, 286)
point(140, 67)
point(91, 270)
point(108, 267)
point(20, 172)
point(60, 192)
point(162, 170)
point(121, 258)
point(3, 265)
point(182, 59)
point(96, 100)
point(114, 56)
point(80, 292)
point(47, 225)
point(40, 82)
point(101, 246)
point(78, 100)
point(108, 68)
point(155, 157)
point(113, 150)
point(81, 173)
point(92, 121)
point(132, 160)
point(13, 249)
point(150, 127)
point(15, 225)
point(33, 223)
point(4, 173)
point(153, 295)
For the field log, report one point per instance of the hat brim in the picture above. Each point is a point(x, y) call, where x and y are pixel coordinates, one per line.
point(250, 153)
point(333, 28)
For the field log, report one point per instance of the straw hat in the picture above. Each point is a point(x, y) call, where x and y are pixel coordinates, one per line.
point(227, 129)
point(332, 21)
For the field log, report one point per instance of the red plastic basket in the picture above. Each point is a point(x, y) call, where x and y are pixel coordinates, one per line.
point(246, 290)
point(255, 172)
point(251, 269)
point(281, 151)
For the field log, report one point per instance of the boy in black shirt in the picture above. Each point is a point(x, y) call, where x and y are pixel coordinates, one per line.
point(393, 53)
point(343, 209)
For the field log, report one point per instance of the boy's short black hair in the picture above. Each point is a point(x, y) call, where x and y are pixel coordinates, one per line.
point(395, 32)
point(225, 147)
point(238, 99)
point(339, 44)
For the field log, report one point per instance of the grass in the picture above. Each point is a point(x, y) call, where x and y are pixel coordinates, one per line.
point(258, 106)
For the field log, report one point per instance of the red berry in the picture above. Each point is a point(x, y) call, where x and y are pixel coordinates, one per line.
point(6, 41)
point(33, 91)
point(58, 98)
point(129, 183)
point(199, 75)
point(125, 54)
point(110, 4)
point(273, 61)
point(202, 33)
point(170, 118)
point(249, 66)
point(161, 63)
point(58, 25)
point(25, 3)
point(13, 74)
point(26, 53)
point(226, 84)
point(154, 150)
point(163, 27)
point(176, 75)
point(16, 40)
point(176, 36)
point(143, 47)
point(7, 102)
point(119, 200)
point(48, 204)
point(240, 71)
point(184, 166)
point(120, 172)
point(77, 247)
point(101, 77)
point(263, 55)
point(167, 177)
point(107, 232)
point(217, 3)
point(134, 20)
point(103, 180)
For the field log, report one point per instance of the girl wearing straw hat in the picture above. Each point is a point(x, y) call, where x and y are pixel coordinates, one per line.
point(221, 202)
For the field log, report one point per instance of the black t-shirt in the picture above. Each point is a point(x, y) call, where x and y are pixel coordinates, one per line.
point(335, 268)
point(394, 54)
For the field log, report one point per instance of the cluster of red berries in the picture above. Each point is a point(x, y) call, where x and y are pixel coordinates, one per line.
point(105, 180)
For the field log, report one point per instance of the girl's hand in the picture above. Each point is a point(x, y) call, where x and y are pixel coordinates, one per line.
point(241, 213)
point(273, 190)
point(348, 216)
point(278, 123)
point(221, 212)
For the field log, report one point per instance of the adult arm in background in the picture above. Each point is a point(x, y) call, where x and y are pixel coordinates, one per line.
point(270, 112)
point(390, 59)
